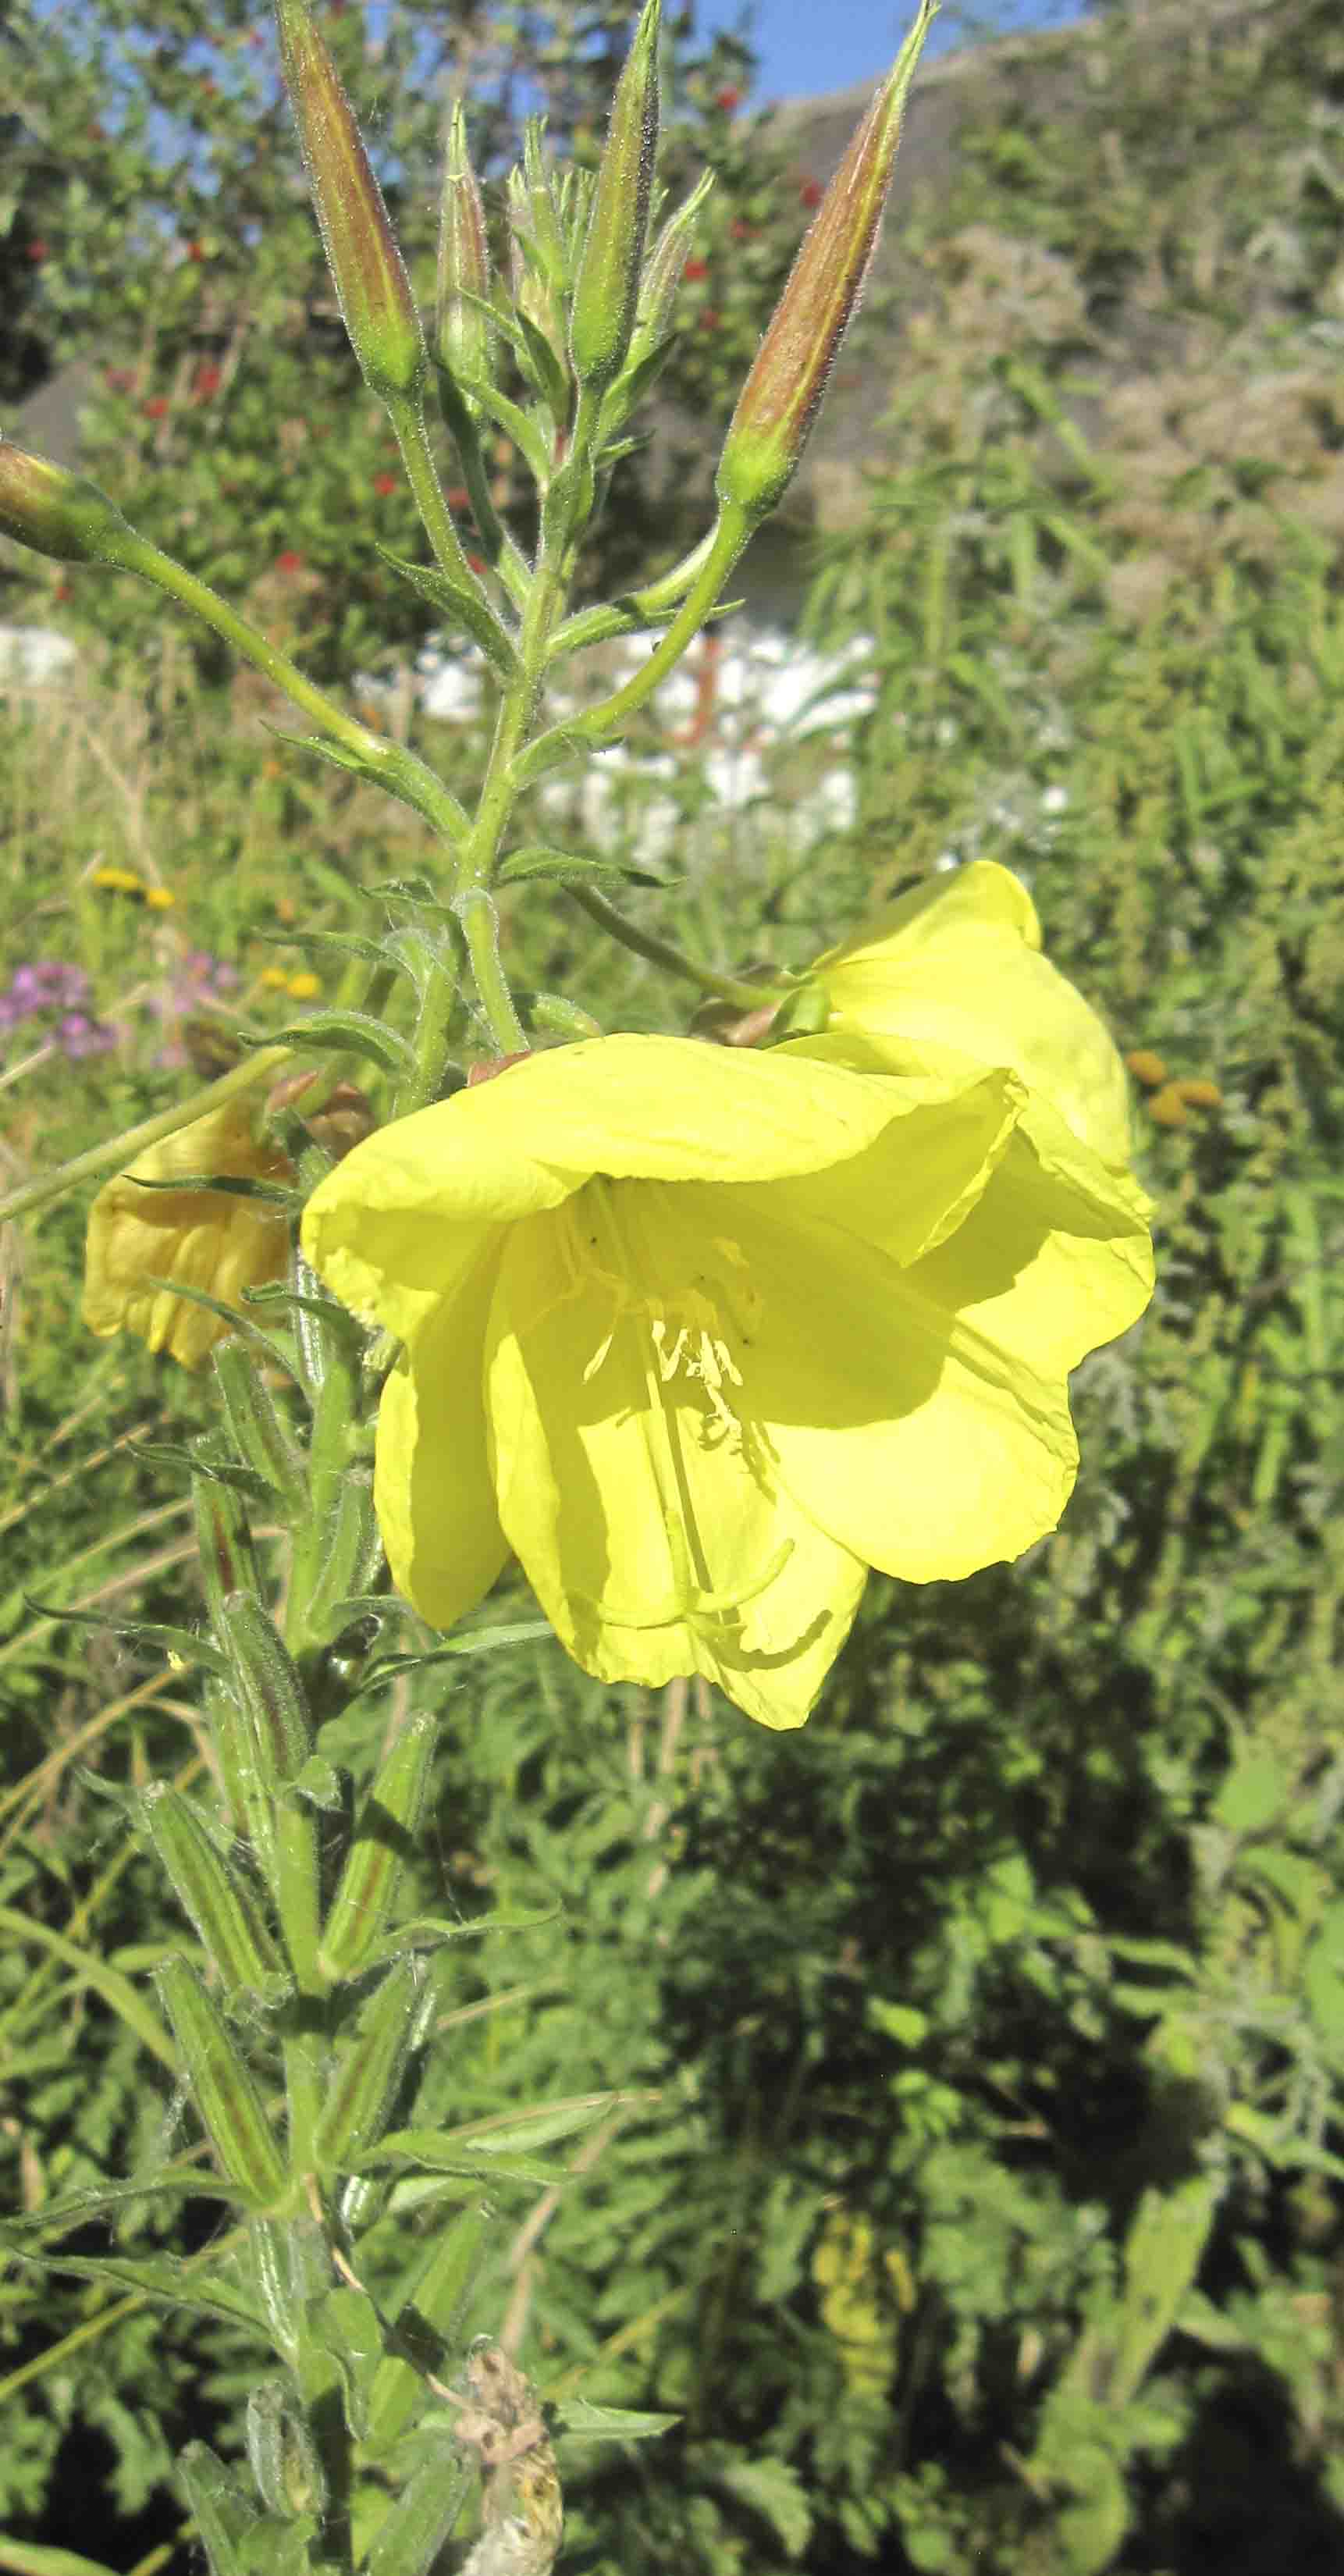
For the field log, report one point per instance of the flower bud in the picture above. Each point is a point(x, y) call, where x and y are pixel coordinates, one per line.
point(226, 2096)
point(461, 332)
point(206, 1238)
point(362, 254)
point(57, 513)
point(664, 269)
point(780, 399)
point(606, 293)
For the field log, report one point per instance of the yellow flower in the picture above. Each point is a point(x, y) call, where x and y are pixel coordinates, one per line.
point(302, 987)
point(204, 1238)
point(701, 1335)
point(160, 898)
point(957, 964)
point(117, 881)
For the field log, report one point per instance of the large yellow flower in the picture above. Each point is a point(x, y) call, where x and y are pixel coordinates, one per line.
point(205, 1239)
point(701, 1335)
point(957, 964)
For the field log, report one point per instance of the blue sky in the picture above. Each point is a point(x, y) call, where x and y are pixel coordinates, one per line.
point(810, 46)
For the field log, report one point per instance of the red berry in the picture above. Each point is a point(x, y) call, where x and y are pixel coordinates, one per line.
point(728, 99)
point(156, 408)
point(37, 250)
point(289, 561)
point(811, 192)
point(206, 381)
point(695, 269)
point(384, 483)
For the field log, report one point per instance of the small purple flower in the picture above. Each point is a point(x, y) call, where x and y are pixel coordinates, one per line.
point(81, 1036)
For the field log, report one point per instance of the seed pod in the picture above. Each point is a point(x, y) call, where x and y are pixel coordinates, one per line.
point(253, 1419)
point(269, 1690)
point(383, 1837)
point(226, 2097)
point(606, 292)
point(369, 2067)
point(210, 1891)
point(281, 2452)
point(362, 252)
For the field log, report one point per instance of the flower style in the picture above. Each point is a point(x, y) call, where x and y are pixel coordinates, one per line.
point(701, 1335)
point(205, 1239)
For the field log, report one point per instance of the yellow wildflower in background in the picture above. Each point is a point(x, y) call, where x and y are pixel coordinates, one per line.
point(203, 1238)
point(702, 1335)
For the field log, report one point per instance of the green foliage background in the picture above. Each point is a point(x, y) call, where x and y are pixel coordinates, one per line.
point(972, 2186)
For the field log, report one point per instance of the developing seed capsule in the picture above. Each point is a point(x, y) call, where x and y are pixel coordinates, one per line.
point(228, 2101)
point(780, 399)
point(606, 293)
point(361, 247)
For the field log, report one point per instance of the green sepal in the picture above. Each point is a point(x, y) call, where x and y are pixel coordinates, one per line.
point(320, 1783)
point(24, 2229)
point(269, 1688)
point(184, 1644)
point(220, 2506)
point(210, 1891)
point(353, 1551)
point(543, 370)
point(515, 423)
point(342, 943)
point(222, 1471)
point(239, 1186)
point(804, 1014)
point(344, 2324)
point(227, 1314)
point(633, 387)
point(226, 2097)
point(480, 1641)
point(427, 2312)
point(352, 1032)
point(281, 2452)
point(369, 2067)
point(413, 2530)
point(383, 1841)
point(570, 867)
point(165, 2279)
point(612, 2423)
point(493, 2137)
point(456, 599)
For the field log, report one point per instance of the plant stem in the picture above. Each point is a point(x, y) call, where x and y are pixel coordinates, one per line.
point(646, 943)
point(116, 1151)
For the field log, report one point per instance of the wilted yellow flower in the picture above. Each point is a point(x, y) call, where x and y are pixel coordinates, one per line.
point(206, 1239)
point(702, 1335)
point(957, 964)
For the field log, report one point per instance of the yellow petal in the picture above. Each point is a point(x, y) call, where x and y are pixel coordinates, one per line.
point(405, 1215)
point(646, 1515)
point(432, 1487)
point(202, 1238)
point(956, 963)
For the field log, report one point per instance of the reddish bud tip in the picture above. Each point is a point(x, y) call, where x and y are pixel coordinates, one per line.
point(362, 253)
point(780, 399)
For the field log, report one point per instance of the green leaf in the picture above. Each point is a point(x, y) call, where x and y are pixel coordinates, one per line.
point(164, 2278)
point(352, 1032)
point(117, 1992)
point(612, 2423)
point(774, 2490)
point(568, 867)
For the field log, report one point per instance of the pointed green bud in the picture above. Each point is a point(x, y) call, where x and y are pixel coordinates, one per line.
point(782, 394)
point(226, 2097)
point(281, 2452)
point(362, 253)
point(57, 513)
point(210, 1891)
point(429, 2306)
point(663, 270)
point(383, 1841)
point(606, 293)
point(461, 332)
